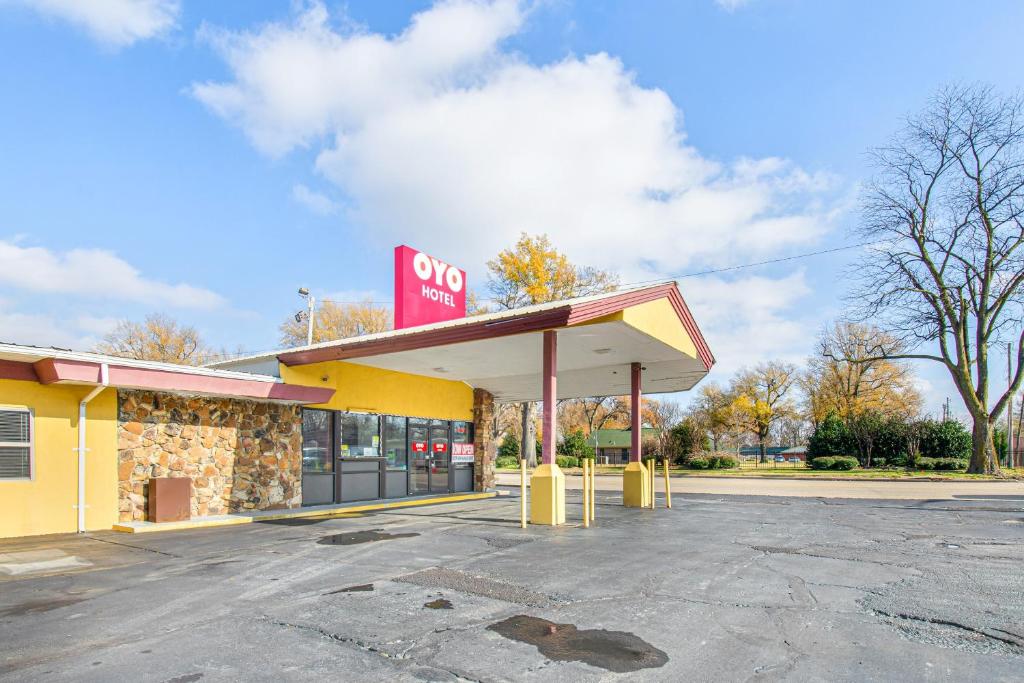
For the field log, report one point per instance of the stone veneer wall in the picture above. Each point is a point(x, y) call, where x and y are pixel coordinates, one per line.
point(240, 455)
point(484, 447)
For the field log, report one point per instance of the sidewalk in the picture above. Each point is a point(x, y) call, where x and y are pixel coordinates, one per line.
point(810, 488)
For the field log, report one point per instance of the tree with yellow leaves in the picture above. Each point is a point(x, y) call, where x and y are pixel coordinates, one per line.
point(534, 272)
point(158, 338)
point(761, 398)
point(714, 411)
point(848, 378)
point(338, 321)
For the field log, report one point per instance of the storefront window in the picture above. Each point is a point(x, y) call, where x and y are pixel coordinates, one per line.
point(358, 435)
point(316, 441)
point(462, 432)
point(395, 448)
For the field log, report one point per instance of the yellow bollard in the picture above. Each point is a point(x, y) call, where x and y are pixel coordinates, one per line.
point(653, 467)
point(522, 492)
point(593, 487)
point(586, 494)
point(668, 487)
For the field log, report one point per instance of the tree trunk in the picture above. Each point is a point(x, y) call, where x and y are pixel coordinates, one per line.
point(760, 443)
point(983, 455)
point(528, 444)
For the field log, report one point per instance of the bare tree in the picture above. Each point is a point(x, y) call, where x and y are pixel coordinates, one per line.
point(945, 271)
point(158, 338)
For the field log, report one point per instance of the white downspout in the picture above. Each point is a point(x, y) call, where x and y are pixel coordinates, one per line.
point(104, 383)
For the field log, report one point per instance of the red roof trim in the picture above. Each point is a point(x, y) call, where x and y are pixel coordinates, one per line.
point(570, 314)
point(51, 370)
point(12, 369)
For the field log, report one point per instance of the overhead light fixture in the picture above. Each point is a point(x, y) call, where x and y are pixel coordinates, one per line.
point(601, 352)
point(440, 370)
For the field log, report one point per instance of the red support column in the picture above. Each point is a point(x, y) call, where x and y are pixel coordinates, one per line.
point(550, 396)
point(635, 410)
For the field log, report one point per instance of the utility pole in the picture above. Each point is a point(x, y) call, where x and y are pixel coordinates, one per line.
point(1009, 410)
point(310, 304)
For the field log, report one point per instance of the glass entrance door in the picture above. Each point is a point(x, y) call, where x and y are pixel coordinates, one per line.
point(419, 456)
point(440, 455)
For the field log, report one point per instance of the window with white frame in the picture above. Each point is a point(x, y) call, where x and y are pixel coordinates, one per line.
point(15, 443)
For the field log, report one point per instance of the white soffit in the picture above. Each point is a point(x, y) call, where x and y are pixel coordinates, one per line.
point(593, 360)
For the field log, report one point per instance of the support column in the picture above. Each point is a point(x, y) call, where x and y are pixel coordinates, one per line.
point(636, 487)
point(483, 440)
point(547, 485)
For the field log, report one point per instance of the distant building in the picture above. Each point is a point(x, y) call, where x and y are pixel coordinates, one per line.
point(611, 446)
point(771, 452)
point(796, 452)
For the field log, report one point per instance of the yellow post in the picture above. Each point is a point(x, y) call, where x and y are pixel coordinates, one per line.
point(668, 487)
point(652, 468)
point(586, 494)
point(522, 492)
point(593, 486)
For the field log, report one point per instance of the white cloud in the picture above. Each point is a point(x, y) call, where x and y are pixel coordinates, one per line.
point(732, 5)
point(94, 273)
point(442, 137)
point(116, 23)
point(469, 145)
point(751, 318)
point(316, 202)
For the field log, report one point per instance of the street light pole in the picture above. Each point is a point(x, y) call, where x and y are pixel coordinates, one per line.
point(310, 305)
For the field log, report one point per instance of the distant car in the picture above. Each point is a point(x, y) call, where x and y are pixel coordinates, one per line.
point(779, 458)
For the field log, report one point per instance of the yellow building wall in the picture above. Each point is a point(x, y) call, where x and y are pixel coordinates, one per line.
point(46, 503)
point(364, 389)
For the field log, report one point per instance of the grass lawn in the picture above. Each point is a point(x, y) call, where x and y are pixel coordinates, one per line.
point(802, 472)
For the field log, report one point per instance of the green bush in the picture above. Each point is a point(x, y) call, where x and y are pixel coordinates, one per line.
point(943, 464)
point(945, 440)
point(831, 437)
point(843, 462)
point(575, 445)
point(507, 462)
point(509, 447)
point(825, 462)
point(567, 461)
point(697, 463)
point(722, 462)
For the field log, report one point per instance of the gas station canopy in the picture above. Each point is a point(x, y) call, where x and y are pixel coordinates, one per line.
point(599, 337)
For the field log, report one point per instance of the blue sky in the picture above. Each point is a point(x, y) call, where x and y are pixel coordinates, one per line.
point(206, 159)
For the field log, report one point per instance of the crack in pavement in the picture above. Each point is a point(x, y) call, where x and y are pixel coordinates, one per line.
point(1013, 641)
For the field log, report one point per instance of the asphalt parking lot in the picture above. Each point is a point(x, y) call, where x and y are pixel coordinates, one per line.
point(717, 588)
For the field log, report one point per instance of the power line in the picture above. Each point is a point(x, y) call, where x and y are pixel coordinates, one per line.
point(679, 276)
point(753, 265)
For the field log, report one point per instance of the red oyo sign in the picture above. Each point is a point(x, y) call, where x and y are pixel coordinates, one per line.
point(440, 447)
point(419, 446)
point(427, 290)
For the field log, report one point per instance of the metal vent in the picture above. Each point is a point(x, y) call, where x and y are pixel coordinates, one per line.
point(15, 444)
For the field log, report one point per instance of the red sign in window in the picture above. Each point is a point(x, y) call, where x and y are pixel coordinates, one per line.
point(419, 446)
point(440, 447)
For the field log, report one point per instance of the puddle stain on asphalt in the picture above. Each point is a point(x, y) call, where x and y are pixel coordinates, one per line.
point(38, 606)
point(616, 651)
point(357, 537)
point(440, 603)
point(187, 678)
point(361, 588)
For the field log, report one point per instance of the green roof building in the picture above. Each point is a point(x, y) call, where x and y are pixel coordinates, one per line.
point(611, 446)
